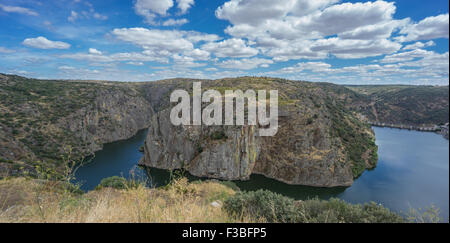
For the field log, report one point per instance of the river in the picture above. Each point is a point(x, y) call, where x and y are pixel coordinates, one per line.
point(412, 172)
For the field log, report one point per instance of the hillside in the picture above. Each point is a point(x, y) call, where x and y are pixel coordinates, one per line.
point(404, 104)
point(42, 120)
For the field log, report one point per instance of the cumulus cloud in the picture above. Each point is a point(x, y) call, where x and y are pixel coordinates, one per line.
point(429, 28)
point(417, 66)
point(172, 41)
point(171, 22)
point(19, 10)
point(245, 64)
point(157, 46)
point(116, 57)
point(418, 45)
point(94, 51)
point(253, 12)
point(348, 49)
point(297, 29)
point(43, 43)
point(312, 66)
point(150, 9)
point(230, 48)
point(184, 5)
point(405, 56)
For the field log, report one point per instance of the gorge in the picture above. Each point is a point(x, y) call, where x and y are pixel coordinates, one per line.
point(324, 139)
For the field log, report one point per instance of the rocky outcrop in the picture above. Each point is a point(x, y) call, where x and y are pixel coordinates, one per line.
point(303, 152)
point(41, 118)
point(223, 152)
point(114, 115)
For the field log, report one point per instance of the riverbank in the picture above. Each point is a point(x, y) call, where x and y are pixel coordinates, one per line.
point(440, 129)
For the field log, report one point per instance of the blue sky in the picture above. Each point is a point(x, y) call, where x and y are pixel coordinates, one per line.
point(345, 42)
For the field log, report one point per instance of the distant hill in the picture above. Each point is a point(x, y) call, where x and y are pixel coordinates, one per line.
point(405, 104)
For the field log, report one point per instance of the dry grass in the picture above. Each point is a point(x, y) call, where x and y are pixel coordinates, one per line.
point(32, 201)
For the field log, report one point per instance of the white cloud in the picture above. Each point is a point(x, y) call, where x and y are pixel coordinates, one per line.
point(136, 63)
point(230, 48)
point(312, 66)
point(186, 61)
point(117, 57)
point(94, 51)
point(171, 22)
point(299, 29)
point(342, 17)
point(429, 28)
point(418, 67)
point(150, 9)
point(348, 49)
point(65, 67)
point(198, 54)
point(195, 37)
point(100, 17)
point(73, 16)
point(16, 9)
point(245, 64)
point(184, 5)
point(418, 45)
point(381, 30)
point(43, 43)
point(405, 56)
point(172, 41)
point(253, 12)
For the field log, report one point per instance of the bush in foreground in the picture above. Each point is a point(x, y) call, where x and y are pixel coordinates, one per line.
point(115, 182)
point(262, 205)
point(271, 207)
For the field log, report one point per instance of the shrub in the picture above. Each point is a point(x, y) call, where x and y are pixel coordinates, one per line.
point(271, 207)
point(218, 135)
point(261, 205)
point(338, 211)
point(113, 182)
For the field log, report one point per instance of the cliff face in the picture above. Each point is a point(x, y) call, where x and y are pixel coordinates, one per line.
point(313, 145)
point(41, 117)
point(300, 153)
point(224, 152)
point(113, 116)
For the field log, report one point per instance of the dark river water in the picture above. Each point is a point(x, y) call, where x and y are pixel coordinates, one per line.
point(412, 172)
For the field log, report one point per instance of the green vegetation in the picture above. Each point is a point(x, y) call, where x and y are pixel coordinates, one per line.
point(359, 144)
point(37, 117)
point(218, 135)
point(271, 207)
point(113, 182)
point(114, 200)
point(259, 204)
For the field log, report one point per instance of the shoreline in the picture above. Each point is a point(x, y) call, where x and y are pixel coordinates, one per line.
point(439, 129)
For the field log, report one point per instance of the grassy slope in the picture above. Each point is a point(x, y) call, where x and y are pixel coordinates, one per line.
point(25, 200)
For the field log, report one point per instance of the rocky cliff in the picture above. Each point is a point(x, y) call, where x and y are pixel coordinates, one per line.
point(40, 118)
point(313, 145)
